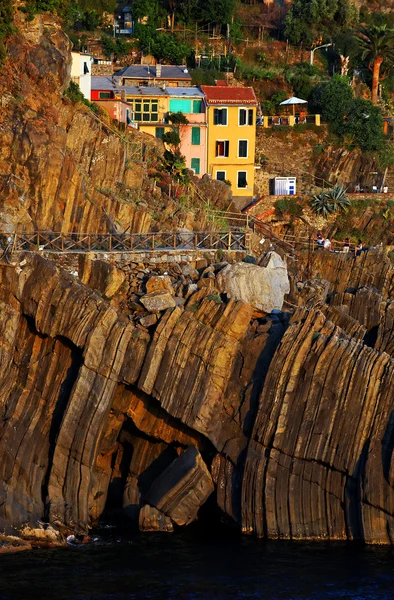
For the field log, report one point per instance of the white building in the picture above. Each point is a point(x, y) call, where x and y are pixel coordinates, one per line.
point(81, 72)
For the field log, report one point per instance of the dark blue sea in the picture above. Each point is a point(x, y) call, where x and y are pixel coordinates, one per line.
point(199, 566)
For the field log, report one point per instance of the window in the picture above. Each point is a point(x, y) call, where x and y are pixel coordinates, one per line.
point(144, 110)
point(241, 179)
point(195, 165)
point(222, 148)
point(159, 132)
point(180, 105)
point(221, 175)
point(245, 116)
point(197, 106)
point(85, 68)
point(195, 136)
point(242, 148)
point(220, 116)
point(105, 95)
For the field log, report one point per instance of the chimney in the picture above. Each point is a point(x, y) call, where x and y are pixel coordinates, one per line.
point(158, 70)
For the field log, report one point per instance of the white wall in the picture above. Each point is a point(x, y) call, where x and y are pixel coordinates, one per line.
point(81, 63)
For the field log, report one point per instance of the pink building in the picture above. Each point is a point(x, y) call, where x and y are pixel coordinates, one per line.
point(190, 101)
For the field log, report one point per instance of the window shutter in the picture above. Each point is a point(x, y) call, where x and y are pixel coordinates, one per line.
point(242, 116)
point(215, 116)
point(250, 116)
point(195, 165)
point(196, 106)
point(196, 136)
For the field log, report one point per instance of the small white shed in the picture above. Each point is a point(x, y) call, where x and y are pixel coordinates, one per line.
point(285, 186)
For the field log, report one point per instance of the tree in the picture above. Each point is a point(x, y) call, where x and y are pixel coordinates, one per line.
point(363, 126)
point(310, 20)
point(333, 99)
point(219, 12)
point(376, 46)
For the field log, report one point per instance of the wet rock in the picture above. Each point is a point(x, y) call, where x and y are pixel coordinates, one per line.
point(152, 519)
point(158, 301)
point(263, 287)
point(182, 488)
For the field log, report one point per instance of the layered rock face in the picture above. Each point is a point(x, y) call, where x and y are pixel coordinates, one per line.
point(285, 419)
point(61, 169)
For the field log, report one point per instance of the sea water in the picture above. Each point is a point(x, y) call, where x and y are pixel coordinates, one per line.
point(199, 566)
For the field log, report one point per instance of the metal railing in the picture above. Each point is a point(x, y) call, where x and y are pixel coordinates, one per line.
point(128, 242)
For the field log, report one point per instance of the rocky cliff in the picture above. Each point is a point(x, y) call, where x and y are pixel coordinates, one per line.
point(109, 409)
point(65, 168)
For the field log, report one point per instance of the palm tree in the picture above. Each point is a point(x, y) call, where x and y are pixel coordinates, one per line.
point(377, 46)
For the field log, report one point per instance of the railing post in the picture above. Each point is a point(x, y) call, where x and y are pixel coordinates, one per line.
point(247, 241)
point(110, 242)
point(229, 241)
point(174, 241)
point(38, 241)
point(153, 241)
point(89, 242)
point(62, 241)
point(195, 240)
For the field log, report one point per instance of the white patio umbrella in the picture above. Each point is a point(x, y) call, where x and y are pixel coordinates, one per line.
point(293, 101)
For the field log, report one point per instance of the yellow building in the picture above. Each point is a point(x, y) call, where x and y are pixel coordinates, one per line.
point(231, 118)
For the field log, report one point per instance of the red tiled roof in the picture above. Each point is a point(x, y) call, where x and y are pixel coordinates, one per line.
point(229, 95)
point(221, 82)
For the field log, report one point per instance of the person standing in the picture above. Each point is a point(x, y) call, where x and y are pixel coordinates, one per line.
point(359, 248)
point(346, 245)
point(327, 244)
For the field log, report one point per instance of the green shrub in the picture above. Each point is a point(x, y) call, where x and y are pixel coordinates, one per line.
point(215, 297)
point(73, 93)
point(331, 201)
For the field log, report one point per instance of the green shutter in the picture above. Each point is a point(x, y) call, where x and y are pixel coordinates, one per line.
point(197, 106)
point(159, 132)
point(195, 165)
point(195, 136)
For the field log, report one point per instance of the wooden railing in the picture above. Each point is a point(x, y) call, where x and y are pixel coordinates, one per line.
point(127, 242)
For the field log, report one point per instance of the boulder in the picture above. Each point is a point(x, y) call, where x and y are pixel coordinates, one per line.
point(189, 271)
point(100, 275)
point(157, 301)
point(158, 283)
point(182, 487)
point(313, 293)
point(148, 320)
point(263, 287)
point(151, 519)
